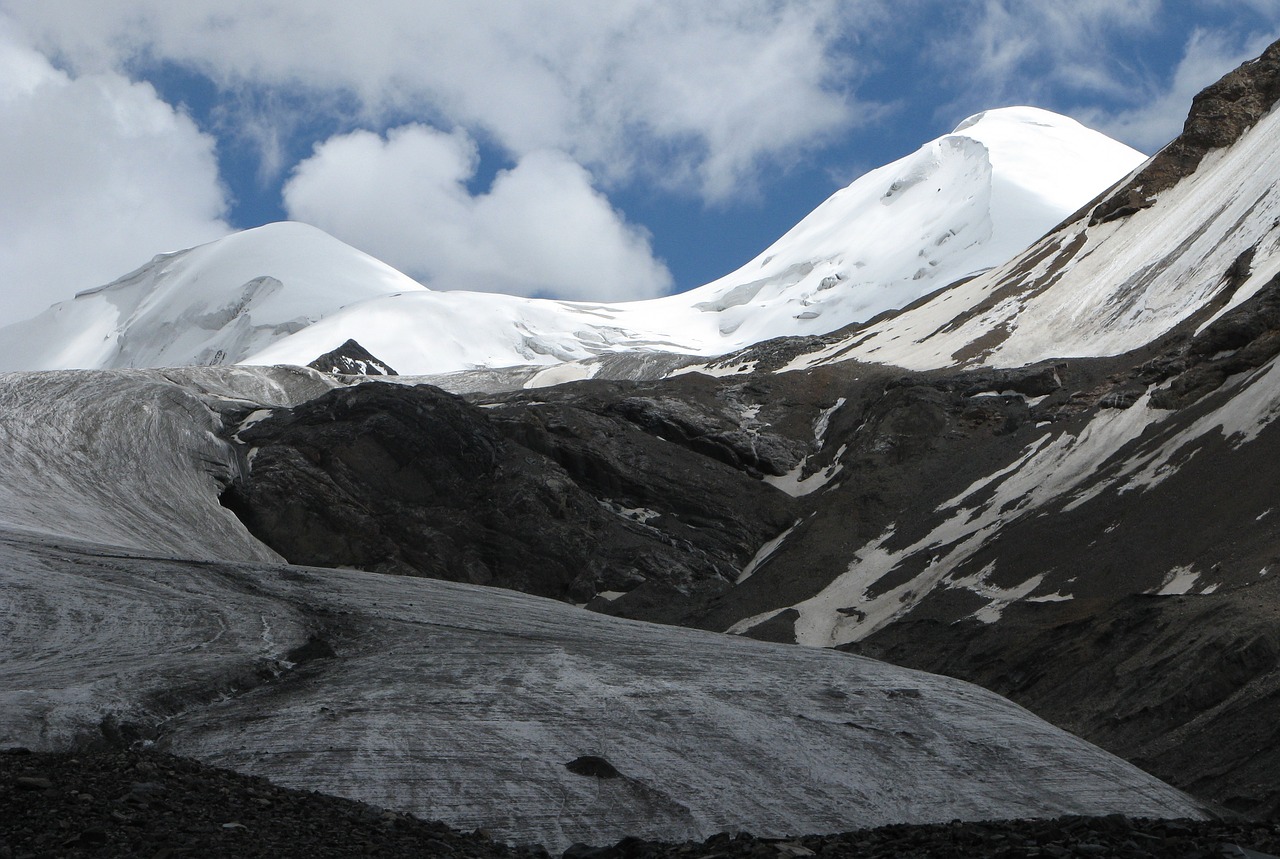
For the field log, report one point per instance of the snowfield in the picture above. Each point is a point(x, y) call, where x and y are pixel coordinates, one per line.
point(212, 304)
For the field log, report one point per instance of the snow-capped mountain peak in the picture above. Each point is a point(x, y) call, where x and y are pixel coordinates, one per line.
point(211, 304)
point(959, 205)
point(1156, 252)
point(287, 293)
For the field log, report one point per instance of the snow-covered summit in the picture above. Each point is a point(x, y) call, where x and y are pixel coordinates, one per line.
point(211, 304)
point(958, 206)
point(1106, 285)
point(286, 293)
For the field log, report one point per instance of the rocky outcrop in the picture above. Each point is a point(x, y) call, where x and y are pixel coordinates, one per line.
point(351, 359)
point(1219, 115)
point(1243, 339)
point(560, 502)
point(734, 422)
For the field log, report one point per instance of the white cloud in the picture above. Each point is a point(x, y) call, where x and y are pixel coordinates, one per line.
point(541, 229)
point(1208, 56)
point(98, 175)
point(1266, 8)
point(1011, 48)
point(700, 94)
point(1081, 58)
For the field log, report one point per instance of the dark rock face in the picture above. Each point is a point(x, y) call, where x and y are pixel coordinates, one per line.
point(1243, 339)
point(351, 359)
point(413, 480)
point(897, 447)
point(739, 422)
point(653, 490)
point(1219, 115)
point(1179, 685)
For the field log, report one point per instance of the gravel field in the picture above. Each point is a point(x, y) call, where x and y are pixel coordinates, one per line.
point(129, 803)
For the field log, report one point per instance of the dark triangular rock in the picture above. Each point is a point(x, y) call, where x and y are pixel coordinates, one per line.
point(352, 359)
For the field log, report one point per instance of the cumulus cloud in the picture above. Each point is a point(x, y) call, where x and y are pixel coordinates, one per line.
point(99, 175)
point(541, 229)
point(697, 94)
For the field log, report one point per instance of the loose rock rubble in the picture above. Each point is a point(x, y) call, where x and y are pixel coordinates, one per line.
point(137, 803)
point(1066, 837)
point(117, 803)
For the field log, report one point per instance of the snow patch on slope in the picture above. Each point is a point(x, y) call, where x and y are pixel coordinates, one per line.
point(1058, 467)
point(1179, 581)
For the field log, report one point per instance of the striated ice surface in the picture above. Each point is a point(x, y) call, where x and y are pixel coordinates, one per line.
point(465, 704)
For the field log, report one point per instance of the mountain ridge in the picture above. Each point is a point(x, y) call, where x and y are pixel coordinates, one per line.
point(286, 293)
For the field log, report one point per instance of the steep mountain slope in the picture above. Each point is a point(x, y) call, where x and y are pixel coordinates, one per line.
point(1184, 236)
point(958, 206)
point(286, 293)
point(481, 707)
point(1204, 275)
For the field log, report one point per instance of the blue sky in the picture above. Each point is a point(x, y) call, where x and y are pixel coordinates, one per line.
point(572, 149)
